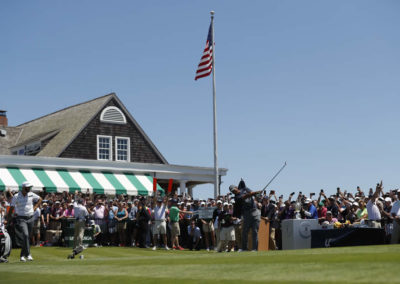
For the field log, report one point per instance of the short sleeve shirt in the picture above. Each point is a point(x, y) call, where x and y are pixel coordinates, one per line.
point(24, 204)
point(159, 213)
point(396, 208)
point(174, 214)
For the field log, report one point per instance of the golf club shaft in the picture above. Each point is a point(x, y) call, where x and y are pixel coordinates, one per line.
point(284, 165)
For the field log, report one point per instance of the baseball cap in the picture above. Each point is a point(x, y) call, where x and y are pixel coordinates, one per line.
point(26, 184)
point(226, 203)
point(202, 203)
point(308, 200)
point(355, 204)
point(388, 199)
point(232, 187)
point(159, 199)
point(219, 201)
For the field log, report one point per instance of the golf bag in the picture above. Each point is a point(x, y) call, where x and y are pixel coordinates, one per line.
point(5, 245)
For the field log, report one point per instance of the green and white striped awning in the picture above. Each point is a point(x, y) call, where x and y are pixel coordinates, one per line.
point(60, 180)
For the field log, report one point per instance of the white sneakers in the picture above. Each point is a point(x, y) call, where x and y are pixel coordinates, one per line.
point(154, 248)
point(28, 258)
point(166, 248)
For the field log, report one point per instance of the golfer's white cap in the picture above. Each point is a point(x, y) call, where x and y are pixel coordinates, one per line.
point(388, 199)
point(308, 200)
point(26, 184)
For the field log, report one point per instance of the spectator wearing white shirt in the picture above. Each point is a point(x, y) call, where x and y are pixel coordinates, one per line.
point(396, 220)
point(160, 225)
point(24, 209)
point(374, 215)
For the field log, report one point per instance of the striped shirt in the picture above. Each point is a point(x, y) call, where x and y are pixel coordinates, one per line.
point(24, 204)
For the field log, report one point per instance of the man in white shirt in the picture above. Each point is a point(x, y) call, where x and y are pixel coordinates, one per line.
point(396, 220)
point(374, 215)
point(80, 214)
point(22, 204)
point(160, 225)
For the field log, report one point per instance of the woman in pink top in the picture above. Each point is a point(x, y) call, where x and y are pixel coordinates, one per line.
point(69, 212)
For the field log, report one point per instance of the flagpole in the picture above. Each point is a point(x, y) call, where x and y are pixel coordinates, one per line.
point(216, 178)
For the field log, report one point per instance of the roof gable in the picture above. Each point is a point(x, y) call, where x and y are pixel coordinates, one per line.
point(68, 122)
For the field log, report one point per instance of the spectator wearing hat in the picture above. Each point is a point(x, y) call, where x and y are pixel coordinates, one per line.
point(160, 225)
point(69, 212)
point(174, 223)
point(99, 215)
point(309, 209)
point(387, 219)
point(396, 220)
point(45, 217)
point(23, 202)
point(362, 213)
point(331, 205)
point(227, 232)
point(268, 214)
point(55, 216)
point(96, 231)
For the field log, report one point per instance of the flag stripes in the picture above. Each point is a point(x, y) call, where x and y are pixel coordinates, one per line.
point(205, 66)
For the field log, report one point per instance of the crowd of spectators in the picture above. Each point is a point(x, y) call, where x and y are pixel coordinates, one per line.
point(174, 221)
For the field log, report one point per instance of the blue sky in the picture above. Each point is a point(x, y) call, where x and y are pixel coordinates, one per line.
point(313, 83)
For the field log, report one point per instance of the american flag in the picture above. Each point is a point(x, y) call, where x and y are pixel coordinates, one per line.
point(205, 66)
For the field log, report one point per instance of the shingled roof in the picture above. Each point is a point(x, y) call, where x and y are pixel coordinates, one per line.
point(64, 126)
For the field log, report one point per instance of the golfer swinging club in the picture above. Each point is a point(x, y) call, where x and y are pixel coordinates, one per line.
point(80, 214)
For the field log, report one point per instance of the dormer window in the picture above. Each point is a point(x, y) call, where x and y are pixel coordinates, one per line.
point(112, 114)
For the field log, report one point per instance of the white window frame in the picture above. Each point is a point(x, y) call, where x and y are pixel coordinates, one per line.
point(110, 148)
point(109, 121)
point(128, 150)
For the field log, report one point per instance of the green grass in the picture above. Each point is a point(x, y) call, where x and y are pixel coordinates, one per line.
point(372, 264)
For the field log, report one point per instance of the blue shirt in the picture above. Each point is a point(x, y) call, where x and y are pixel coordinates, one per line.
point(313, 211)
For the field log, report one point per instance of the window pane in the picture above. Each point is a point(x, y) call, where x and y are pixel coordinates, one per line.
point(122, 149)
point(104, 148)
